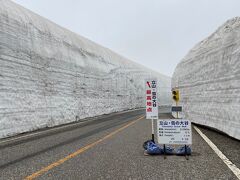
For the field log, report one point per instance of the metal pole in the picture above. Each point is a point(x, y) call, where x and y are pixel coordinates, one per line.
point(164, 151)
point(186, 152)
point(177, 111)
point(153, 131)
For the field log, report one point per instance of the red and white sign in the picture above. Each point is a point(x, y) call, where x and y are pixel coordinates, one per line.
point(151, 99)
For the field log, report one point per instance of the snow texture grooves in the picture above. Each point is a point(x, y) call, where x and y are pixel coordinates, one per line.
point(209, 80)
point(51, 76)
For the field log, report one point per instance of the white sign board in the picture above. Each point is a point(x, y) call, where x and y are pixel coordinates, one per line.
point(151, 99)
point(174, 131)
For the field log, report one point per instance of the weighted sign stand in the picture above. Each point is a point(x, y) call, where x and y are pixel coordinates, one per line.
point(175, 132)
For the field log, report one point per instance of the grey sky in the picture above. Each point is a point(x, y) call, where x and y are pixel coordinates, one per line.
point(155, 33)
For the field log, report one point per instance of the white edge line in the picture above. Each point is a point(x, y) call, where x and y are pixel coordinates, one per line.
point(231, 166)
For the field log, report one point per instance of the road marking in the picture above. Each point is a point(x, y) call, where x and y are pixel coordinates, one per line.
point(79, 151)
point(58, 128)
point(231, 166)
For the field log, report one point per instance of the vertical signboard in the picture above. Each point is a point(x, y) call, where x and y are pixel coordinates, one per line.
point(151, 99)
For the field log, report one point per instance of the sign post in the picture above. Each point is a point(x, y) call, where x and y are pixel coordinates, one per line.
point(174, 131)
point(151, 102)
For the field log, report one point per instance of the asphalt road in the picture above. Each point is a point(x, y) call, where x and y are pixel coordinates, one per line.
point(110, 147)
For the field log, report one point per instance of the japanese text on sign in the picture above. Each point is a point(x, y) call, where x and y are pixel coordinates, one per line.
point(151, 99)
point(174, 131)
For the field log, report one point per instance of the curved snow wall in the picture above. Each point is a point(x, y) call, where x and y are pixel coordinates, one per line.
point(209, 80)
point(51, 76)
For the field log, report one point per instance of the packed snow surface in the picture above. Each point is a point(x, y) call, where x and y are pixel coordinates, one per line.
point(209, 80)
point(51, 76)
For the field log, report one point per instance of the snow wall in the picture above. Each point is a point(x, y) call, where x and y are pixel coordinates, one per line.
point(51, 76)
point(209, 80)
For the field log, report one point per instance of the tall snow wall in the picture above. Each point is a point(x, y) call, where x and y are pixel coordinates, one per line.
point(51, 76)
point(209, 80)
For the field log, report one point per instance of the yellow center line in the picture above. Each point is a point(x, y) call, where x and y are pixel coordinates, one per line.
point(79, 151)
